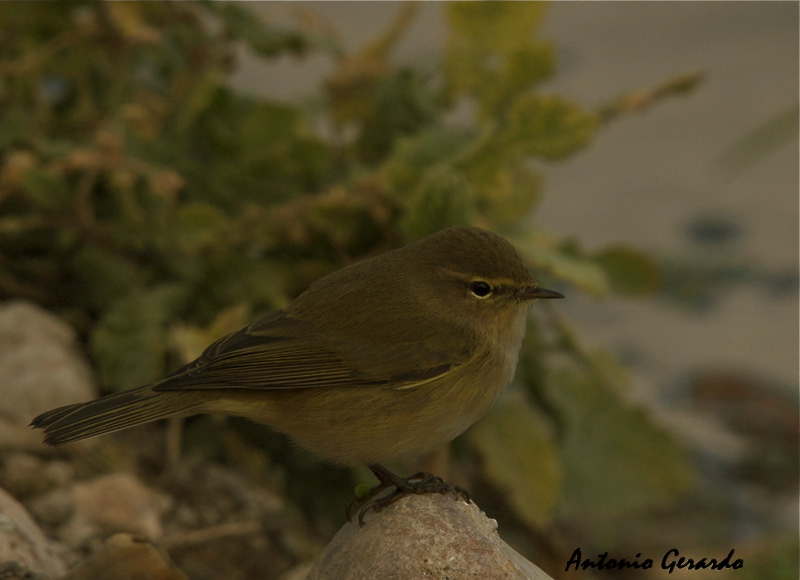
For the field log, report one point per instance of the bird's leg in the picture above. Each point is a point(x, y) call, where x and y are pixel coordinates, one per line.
point(418, 483)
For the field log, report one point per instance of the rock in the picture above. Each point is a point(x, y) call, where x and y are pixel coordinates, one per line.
point(113, 503)
point(298, 572)
point(23, 543)
point(14, 571)
point(423, 536)
point(41, 368)
point(24, 475)
point(53, 508)
point(127, 556)
point(20, 475)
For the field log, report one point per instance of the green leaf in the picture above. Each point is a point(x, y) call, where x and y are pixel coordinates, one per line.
point(129, 342)
point(528, 66)
point(519, 457)
point(442, 198)
point(495, 26)
point(505, 188)
point(402, 106)
point(519, 72)
point(264, 39)
point(241, 150)
point(773, 556)
point(103, 276)
point(547, 126)
point(617, 459)
point(491, 52)
point(47, 190)
point(630, 271)
point(505, 206)
point(232, 277)
point(197, 225)
point(562, 261)
point(413, 155)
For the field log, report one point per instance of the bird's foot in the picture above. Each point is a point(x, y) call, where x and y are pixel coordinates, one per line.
point(418, 483)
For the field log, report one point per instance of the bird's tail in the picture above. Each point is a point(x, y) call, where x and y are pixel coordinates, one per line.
point(110, 413)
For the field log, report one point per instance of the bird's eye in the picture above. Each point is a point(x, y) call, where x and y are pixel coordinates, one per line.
point(480, 289)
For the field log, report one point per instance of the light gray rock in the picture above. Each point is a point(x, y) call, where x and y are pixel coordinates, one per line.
point(41, 367)
point(22, 541)
point(423, 536)
point(112, 503)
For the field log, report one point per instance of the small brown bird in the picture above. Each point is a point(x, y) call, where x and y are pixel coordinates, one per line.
point(387, 358)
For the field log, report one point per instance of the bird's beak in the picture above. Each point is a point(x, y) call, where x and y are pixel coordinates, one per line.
point(534, 292)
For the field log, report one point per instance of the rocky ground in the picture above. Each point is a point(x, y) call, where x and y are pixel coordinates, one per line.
point(59, 505)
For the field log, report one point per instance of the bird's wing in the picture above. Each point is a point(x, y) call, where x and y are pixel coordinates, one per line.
point(281, 352)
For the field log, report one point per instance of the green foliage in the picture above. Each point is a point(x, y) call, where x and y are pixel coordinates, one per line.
point(441, 198)
point(547, 127)
point(630, 271)
point(129, 341)
point(642, 465)
point(141, 196)
point(521, 460)
point(564, 259)
point(777, 558)
point(492, 52)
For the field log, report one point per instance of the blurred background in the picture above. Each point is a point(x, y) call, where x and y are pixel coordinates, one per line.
point(709, 180)
point(171, 172)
